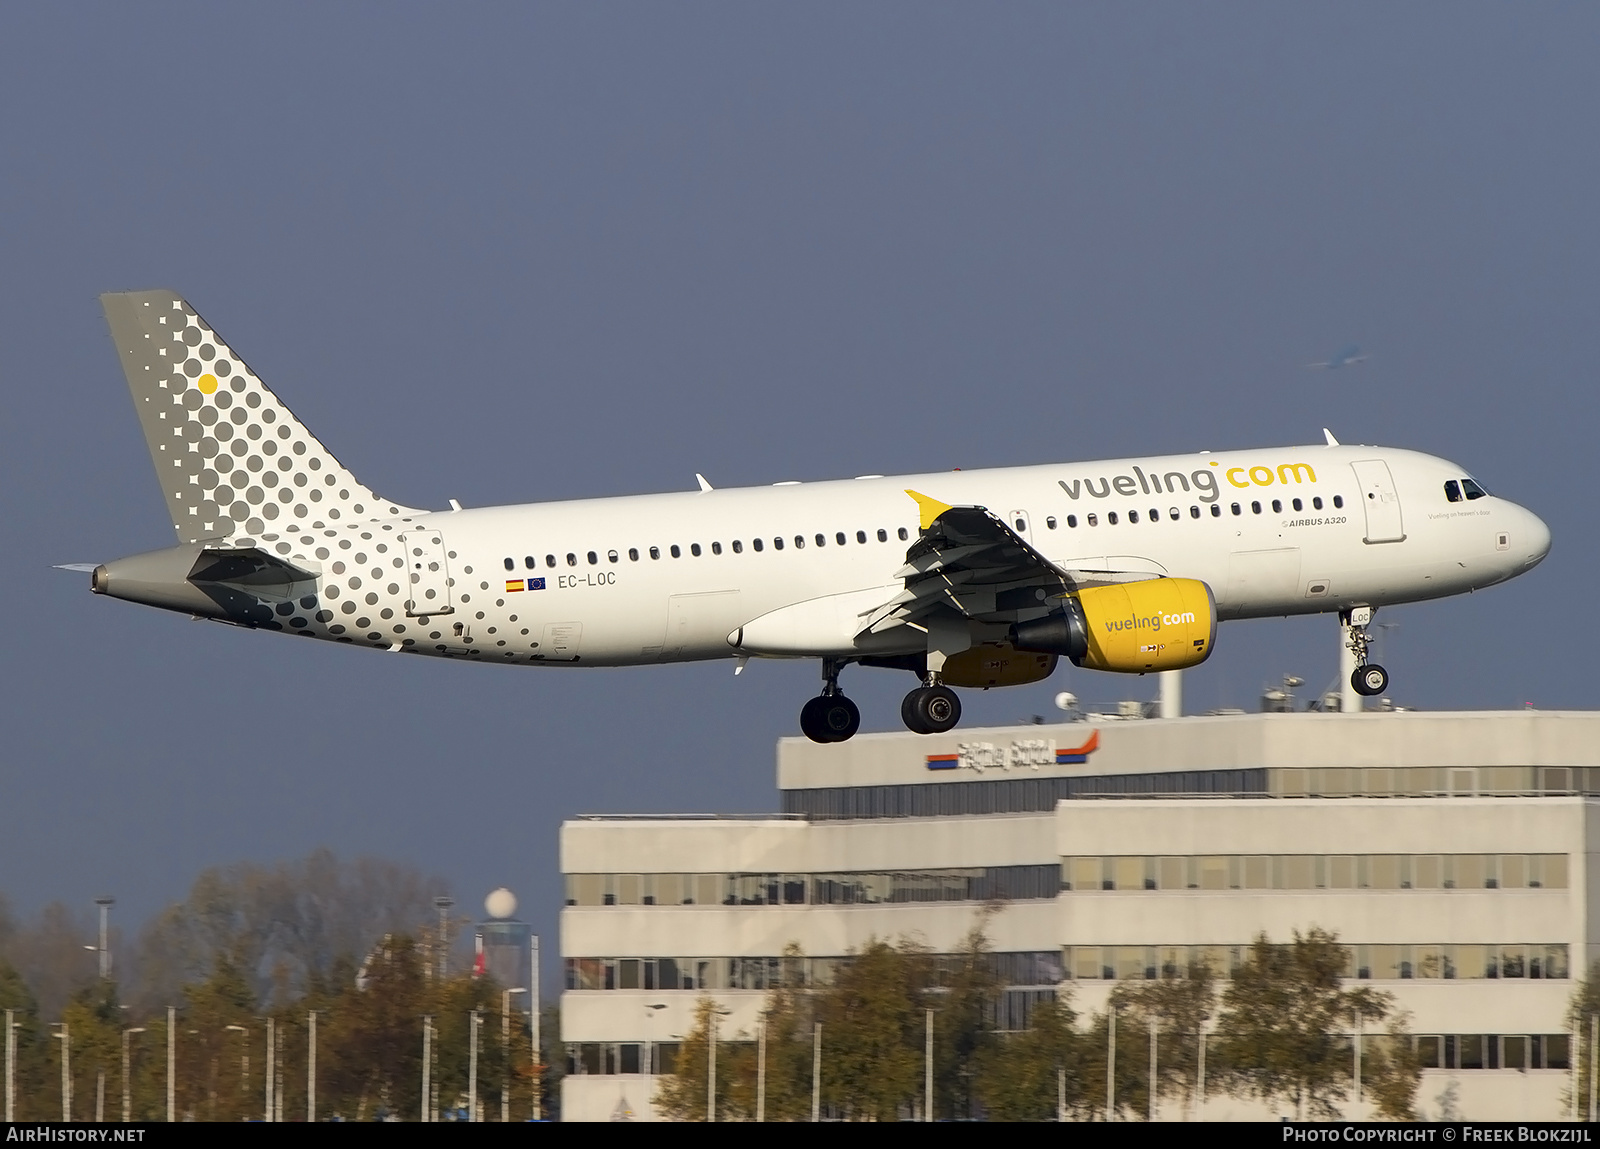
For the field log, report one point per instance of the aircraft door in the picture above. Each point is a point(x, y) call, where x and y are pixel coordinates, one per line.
point(1022, 523)
point(428, 566)
point(1381, 500)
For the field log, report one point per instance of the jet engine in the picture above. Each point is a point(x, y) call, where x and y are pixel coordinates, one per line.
point(1133, 627)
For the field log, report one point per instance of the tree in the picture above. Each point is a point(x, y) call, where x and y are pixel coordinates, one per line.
point(872, 1030)
point(1179, 1007)
point(1020, 1076)
point(1391, 1072)
point(682, 1096)
point(1285, 1017)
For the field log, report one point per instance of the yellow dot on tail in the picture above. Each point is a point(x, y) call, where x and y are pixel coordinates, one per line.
point(208, 384)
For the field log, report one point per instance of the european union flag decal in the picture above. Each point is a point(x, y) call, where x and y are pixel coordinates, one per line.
point(536, 584)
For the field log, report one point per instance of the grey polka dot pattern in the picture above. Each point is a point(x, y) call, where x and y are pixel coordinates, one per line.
point(196, 399)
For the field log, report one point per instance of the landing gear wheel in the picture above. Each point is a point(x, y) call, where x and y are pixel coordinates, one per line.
point(1370, 680)
point(931, 710)
point(830, 718)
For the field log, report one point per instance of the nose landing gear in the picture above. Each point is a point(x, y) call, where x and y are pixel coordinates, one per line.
point(1368, 679)
point(830, 717)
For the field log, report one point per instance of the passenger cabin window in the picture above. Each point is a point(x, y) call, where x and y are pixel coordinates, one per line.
point(1277, 506)
point(1072, 520)
point(694, 549)
point(1338, 501)
point(839, 538)
point(633, 554)
point(510, 566)
point(529, 562)
point(1255, 508)
point(1298, 505)
point(592, 557)
point(1111, 517)
point(1021, 524)
point(777, 543)
point(675, 552)
point(738, 547)
point(1194, 512)
point(902, 533)
point(861, 536)
point(1093, 519)
point(800, 542)
point(1237, 509)
point(655, 552)
point(716, 548)
point(1472, 490)
point(1050, 523)
point(1216, 511)
point(1133, 516)
point(1316, 503)
point(1155, 514)
point(757, 544)
point(822, 540)
point(611, 556)
point(883, 535)
point(572, 559)
point(549, 560)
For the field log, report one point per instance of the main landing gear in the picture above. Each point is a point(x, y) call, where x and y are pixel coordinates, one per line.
point(931, 708)
point(1369, 679)
point(830, 717)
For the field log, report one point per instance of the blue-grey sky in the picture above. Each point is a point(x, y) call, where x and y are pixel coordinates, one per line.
point(512, 252)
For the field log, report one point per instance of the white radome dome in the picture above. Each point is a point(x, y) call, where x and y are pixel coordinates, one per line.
point(501, 904)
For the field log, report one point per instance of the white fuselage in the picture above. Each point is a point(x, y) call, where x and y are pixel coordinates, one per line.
point(598, 605)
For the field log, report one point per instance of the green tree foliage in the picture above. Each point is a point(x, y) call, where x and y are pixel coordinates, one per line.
point(1581, 1008)
point(1023, 1076)
point(1283, 1031)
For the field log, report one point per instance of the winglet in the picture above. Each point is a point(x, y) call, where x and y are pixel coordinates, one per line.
point(1328, 435)
point(701, 479)
point(931, 508)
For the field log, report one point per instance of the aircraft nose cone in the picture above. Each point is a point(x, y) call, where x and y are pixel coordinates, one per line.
point(1535, 540)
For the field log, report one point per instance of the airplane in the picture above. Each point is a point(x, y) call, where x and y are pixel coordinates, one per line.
point(971, 579)
point(1344, 357)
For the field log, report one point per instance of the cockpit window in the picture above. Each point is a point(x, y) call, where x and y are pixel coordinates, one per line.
point(1452, 490)
point(1473, 491)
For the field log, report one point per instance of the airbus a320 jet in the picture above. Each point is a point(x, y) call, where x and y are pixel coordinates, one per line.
point(970, 579)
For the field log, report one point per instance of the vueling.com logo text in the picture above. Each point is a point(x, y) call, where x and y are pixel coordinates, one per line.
point(1202, 482)
point(1150, 621)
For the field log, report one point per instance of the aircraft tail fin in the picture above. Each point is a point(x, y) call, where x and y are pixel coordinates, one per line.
point(231, 459)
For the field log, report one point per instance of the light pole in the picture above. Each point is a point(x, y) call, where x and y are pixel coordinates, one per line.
point(711, 1060)
point(761, 1067)
point(927, 1071)
point(66, 1070)
point(1150, 1092)
point(11, 1066)
point(650, 1010)
point(816, 1072)
point(127, 1085)
point(1111, 1060)
point(443, 904)
point(534, 1005)
point(244, 1057)
point(172, 1063)
point(472, 1069)
point(105, 902)
point(311, 1066)
point(427, 1066)
point(271, 1070)
point(505, 1051)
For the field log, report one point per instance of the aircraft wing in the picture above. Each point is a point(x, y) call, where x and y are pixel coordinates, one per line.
point(969, 562)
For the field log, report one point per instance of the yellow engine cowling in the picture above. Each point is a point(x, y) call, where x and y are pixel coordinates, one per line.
point(1154, 624)
point(999, 665)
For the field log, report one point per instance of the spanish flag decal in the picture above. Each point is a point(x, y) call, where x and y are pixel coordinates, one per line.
point(513, 584)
